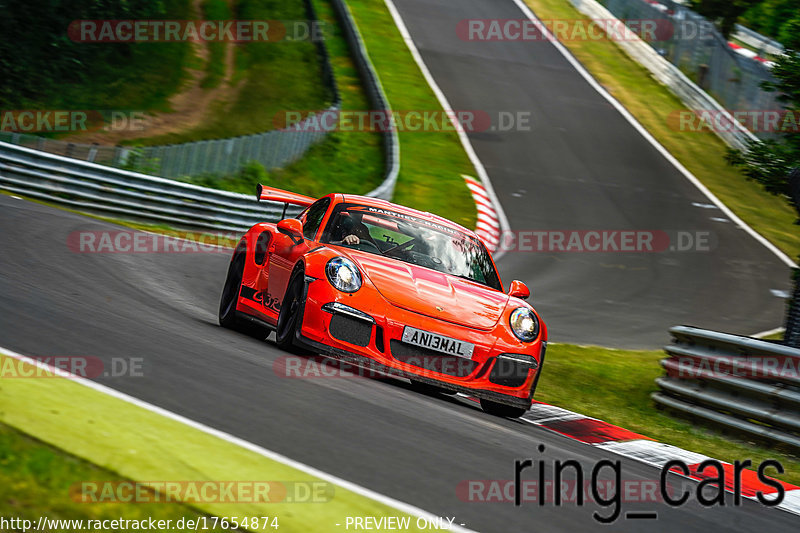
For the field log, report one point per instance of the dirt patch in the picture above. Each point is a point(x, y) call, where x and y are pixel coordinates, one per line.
point(191, 106)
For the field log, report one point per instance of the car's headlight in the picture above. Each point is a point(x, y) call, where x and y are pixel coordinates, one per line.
point(343, 274)
point(524, 324)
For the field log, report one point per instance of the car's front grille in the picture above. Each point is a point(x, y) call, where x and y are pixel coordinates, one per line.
point(347, 329)
point(508, 373)
point(432, 360)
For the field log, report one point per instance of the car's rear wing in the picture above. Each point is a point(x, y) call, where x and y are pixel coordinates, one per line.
point(271, 194)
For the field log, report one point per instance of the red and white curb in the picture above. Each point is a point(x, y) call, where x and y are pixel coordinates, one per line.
point(488, 226)
point(746, 52)
point(640, 448)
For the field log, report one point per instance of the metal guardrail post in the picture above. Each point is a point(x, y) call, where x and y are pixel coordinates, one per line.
point(791, 336)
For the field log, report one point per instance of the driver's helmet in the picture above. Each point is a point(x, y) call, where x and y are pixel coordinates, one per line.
point(349, 224)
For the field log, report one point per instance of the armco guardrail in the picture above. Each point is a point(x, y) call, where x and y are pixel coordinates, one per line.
point(748, 385)
point(665, 72)
point(763, 44)
point(276, 148)
point(123, 194)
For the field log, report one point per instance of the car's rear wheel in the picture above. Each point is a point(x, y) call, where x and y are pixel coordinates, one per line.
point(290, 315)
point(501, 409)
point(227, 302)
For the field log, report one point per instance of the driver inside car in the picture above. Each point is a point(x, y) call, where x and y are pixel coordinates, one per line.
point(349, 230)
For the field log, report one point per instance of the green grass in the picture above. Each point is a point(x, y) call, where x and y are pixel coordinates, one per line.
point(37, 478)
point(274, 77)
point(700, 152)
point(140, 445)
point(43, 69)
point(431, 163)
point(345, 161)
point(778, 336)
point(215, 67)
point(615, 386)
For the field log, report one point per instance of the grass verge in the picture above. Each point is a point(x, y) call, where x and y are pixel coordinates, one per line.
point(140, 445)
point(615, 386)
point(431, 162)
point(345, 161)
point(215, 66)
point(701, 152)
point(37, 478)
point(271, 76)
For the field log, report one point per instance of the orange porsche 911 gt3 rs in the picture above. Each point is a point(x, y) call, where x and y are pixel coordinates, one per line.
point(390, 289)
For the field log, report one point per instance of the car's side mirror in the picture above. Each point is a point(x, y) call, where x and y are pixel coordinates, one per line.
point(292, 228)
point(519, 290)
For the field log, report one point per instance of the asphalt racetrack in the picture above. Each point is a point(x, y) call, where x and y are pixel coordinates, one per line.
point(583, 167)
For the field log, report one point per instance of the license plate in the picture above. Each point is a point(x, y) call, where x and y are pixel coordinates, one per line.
point(438, 343)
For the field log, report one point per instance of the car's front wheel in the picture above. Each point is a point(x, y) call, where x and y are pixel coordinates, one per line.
point(501, 409)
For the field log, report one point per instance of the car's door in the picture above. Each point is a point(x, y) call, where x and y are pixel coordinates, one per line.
point(285, 252)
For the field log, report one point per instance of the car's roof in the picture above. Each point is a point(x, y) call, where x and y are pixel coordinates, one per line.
point(384, 204)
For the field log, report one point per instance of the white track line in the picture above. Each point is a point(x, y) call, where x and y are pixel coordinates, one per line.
point(462, 136)
point(635, 123)
point(347, 485)
point(768, 332)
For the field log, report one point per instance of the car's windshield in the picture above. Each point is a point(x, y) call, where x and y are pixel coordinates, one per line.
point(412, 240)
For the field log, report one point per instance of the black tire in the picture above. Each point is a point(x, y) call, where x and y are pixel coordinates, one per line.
point(230, 292)
point(290, 315)
point(501, 409)
point(227, 302)
point(428, 389)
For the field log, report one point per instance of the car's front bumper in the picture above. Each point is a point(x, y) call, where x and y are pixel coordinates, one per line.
point(363, 329)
